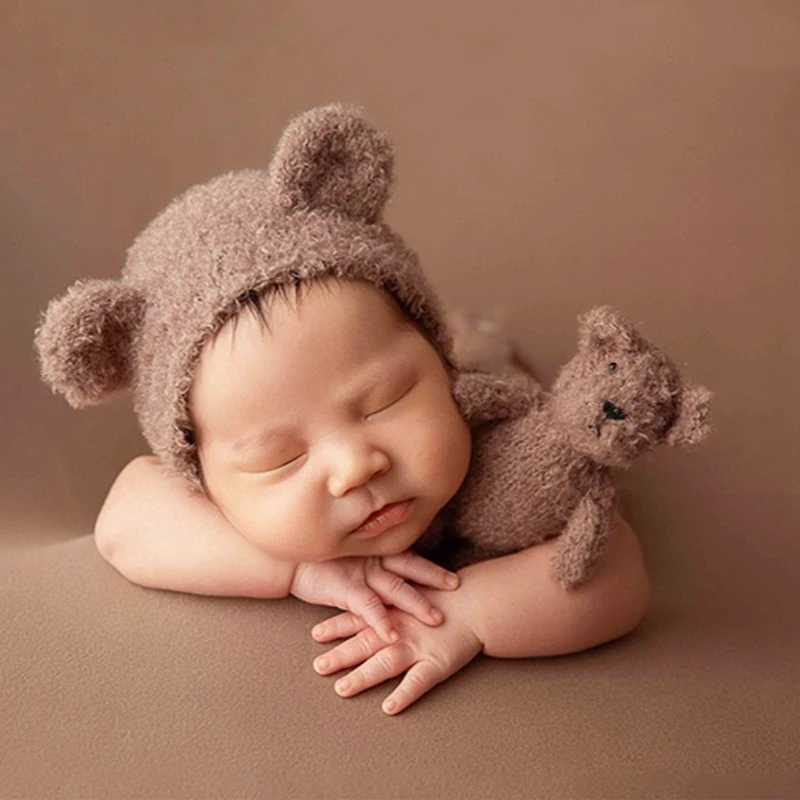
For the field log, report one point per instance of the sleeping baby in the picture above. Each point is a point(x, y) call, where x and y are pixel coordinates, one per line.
point(293, 375)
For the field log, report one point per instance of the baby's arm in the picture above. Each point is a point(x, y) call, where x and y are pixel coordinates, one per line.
point(517, 610)
point(508, 607)
point(157, 532)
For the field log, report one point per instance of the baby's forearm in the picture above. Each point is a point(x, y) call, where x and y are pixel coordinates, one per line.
point(159, 534)
point(520, 611)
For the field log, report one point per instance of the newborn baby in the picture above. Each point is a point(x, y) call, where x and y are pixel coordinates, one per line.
point(329, 431)
point(292, 374)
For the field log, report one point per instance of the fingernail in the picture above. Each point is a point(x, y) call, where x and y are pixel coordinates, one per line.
point(316, 630)
point(389, 706)
point(343, 686)
point(394, 636)
point(437, 615)
point(452, 580)
point(321, 664)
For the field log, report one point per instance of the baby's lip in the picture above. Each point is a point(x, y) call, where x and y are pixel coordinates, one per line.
point(384, 518)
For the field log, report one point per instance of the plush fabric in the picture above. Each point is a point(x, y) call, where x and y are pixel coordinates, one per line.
point(315, 212)
point(542, 462)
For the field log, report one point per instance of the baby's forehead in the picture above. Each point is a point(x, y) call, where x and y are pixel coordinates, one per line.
point(317, 336)
point(281, 300)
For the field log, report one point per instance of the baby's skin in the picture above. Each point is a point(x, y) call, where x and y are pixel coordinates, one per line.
point(507, 607)
point(340, 409)
point(328, 442)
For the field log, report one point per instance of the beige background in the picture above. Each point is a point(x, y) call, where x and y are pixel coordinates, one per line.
point(551, 156)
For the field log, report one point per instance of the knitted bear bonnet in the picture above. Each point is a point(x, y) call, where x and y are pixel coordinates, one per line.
point(314, 212)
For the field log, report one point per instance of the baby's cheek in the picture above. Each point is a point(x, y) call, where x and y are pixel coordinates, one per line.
point(457, 453)
point(263, 518)
point(442, 443)
point(289, 524)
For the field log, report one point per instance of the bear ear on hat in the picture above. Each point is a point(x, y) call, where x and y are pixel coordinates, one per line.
point(330, 158)
point(605, 328)
point(84, 340)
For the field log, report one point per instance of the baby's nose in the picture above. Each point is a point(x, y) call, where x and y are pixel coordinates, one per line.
point(353, 464)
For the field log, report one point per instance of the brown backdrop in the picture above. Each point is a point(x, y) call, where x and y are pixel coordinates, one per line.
point(551, 156)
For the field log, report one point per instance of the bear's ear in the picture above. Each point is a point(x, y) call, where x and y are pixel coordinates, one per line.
point(691, 425)
point(84, 340)
point(331, 158)
point(605, 328)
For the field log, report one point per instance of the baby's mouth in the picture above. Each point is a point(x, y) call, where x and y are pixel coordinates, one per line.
point(383, 519)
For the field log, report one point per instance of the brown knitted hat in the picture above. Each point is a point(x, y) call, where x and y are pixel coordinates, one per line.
point(315, 212)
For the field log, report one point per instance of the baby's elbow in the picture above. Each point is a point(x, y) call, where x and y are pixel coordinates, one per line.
point(105, 539)
point(631, 592)
point(638, 603)
point(113, 525)
point(110, 545)
point(617, 599)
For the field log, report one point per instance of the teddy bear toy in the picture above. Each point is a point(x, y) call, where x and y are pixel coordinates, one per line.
point(542, 461)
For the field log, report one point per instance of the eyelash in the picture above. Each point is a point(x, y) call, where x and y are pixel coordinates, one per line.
point(389, 405)
point(366, 417)
point(287, 463)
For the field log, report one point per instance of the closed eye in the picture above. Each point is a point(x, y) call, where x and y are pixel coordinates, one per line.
point(260, 468)
point(394, 402)
point(288, 463)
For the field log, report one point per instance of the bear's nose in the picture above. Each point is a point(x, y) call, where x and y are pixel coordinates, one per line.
point(613, 412)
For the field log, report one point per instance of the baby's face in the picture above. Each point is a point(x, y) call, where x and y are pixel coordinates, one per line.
point(332, 434)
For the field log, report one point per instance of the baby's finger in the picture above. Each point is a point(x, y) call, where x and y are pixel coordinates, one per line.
point(350, 653)
point(342, 626)
point(387, 663)
point(396, 592)
point(364, 602)
point(421, 678)
point(414, 567)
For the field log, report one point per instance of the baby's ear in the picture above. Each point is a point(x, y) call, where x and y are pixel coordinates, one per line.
point(331, 158)
point(84, 340)
point(605, 328)
point(692, 425)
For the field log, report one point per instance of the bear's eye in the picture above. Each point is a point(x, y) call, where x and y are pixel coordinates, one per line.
point(612, 367)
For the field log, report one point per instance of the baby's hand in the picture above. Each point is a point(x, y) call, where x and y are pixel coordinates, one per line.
point(362, 585)
point(427, 655)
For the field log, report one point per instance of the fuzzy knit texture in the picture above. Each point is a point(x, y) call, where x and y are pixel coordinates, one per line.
point(315, 212)
point(546, 469)
point(541, 461)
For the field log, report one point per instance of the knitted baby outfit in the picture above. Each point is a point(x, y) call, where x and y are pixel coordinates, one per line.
point(315, 212)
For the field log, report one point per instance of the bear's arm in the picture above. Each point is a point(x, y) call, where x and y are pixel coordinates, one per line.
point(483, 398)
point(585, 536)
